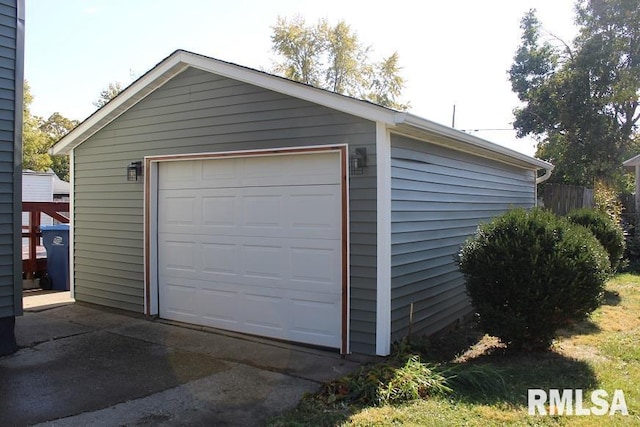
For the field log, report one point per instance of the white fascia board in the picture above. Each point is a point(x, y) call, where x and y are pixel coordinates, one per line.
point(383, 242)
point(298, 90)
point(180, 60)
point(133, 94)
point(489, 147)
point(632, 162)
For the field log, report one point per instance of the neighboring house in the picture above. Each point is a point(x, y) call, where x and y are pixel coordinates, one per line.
point(37, 187)
point(42, 187)
point(11, 82)
point(61, 190)
point(248, 217)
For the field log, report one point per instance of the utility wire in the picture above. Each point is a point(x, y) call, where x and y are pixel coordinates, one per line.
point(478, 130)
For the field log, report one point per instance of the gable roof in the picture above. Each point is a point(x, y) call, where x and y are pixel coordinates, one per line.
point(398, 122)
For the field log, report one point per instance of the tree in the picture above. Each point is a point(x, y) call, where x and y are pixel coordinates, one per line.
point(333, 58)
point(55, 127)
point(39, 135)
point(386, 83)
point(35, 144)
point(581, 99)
point(108, 93)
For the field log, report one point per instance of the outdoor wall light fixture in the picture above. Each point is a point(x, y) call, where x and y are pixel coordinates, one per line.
point(134, 170)
point(358, 161)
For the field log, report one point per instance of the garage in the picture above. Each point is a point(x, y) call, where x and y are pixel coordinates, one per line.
point(253, 244)
point(213, 194)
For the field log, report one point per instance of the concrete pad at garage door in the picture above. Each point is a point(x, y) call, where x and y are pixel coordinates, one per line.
point(96, 367)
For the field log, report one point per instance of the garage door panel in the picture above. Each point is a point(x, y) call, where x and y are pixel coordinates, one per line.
point(253, 245)
point(304, 314)
point(181, 317)
point(180, 299)
point(219, 174)
point(180, 209)
point(263, 210)
point(309, 233)
point(220, 210)
point(220, 258)
point(174, 174)
point(220, 305)
point(265, 171)
point(263, 262)
point(314, 215)
point(297, 212)
point(303, 169)
point(227, 258)
point(316, 169)
point(184, 255)
point(314, 267)
point(265, 311)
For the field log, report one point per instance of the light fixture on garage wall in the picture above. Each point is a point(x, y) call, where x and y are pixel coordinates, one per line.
point(134, 170)
point(358, 161)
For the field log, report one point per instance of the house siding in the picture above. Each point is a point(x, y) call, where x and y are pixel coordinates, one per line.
point(11, 72)
point(198, 112)
point(37, 187)
point(439, 196)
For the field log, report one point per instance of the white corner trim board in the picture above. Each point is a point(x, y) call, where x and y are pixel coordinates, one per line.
point(72, 239)
point(383, 290)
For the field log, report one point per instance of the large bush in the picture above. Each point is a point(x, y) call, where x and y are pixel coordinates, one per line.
point(529, 273)
point(608, 232)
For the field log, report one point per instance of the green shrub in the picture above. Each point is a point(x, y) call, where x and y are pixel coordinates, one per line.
point(607, 231)
point(529, 273)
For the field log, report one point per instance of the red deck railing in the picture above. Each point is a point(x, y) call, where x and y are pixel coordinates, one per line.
point(31, 265)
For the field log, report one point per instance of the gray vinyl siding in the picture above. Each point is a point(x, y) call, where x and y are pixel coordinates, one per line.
point(197, 112)
point(438, 198)
point(11, 54)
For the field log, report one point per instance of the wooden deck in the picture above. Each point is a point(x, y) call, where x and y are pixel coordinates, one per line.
point(34, 255)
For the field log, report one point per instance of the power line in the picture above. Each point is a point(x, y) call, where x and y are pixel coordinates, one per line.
point(478, 130)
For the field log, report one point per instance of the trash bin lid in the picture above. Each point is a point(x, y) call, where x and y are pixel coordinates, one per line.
point(57, 227)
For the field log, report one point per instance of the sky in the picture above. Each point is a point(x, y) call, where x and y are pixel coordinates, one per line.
point(452, 52)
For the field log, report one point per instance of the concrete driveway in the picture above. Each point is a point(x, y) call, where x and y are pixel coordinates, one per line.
point(81, 365)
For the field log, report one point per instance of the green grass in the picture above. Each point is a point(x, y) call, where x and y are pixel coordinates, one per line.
point(454, 383)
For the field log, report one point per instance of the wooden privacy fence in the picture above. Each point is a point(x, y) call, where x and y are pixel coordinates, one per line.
point(628, 203)
point(562, 199)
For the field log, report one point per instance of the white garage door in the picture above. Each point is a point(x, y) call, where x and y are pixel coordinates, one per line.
point(253, 244)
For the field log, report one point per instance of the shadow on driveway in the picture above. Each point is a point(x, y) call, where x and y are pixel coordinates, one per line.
point(81, 365)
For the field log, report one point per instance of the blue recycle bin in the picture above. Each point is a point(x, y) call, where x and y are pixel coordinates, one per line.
point(56, 241)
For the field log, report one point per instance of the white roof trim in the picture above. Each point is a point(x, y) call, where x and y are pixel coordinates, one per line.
point(133, 94)
point(180, 60)
point(419, 123)
point(298, 90)
point(632, 162)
